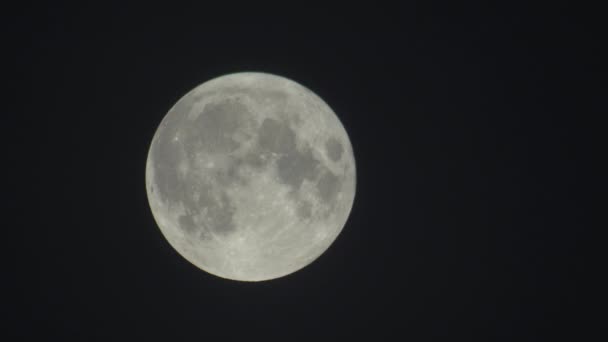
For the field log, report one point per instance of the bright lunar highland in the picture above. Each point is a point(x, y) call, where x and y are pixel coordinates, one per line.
point(250, 176)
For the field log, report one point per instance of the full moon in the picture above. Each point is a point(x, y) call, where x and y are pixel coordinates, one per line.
point(250, 176)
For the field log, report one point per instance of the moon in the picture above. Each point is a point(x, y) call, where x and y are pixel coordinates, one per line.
point(250, 176)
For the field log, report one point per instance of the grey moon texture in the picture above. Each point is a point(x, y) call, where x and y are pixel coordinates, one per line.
point(250, 176)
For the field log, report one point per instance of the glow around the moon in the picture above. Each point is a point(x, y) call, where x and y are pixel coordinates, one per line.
point(250, 176)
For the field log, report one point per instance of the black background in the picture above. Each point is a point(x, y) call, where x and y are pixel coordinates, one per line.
point(472, 133)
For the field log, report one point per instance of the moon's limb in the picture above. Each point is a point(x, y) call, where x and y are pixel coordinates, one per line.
point(250, 176)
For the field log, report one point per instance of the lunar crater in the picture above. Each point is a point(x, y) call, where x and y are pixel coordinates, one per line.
point(276, 137)
point(334, 149)
point(214, 129)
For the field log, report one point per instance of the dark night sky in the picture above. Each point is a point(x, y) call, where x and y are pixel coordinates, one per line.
point(472, 132)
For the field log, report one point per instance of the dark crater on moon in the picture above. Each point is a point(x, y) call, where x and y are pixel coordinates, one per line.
point(304, 210)
point(231, 174)
point(328, 186)
point(334, 149)
point(216, 207)
point(293, 168)
point(214, 129)
point(277, 137)
point(186, 222)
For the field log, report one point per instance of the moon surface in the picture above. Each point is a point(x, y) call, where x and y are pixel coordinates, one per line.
point(250, 176)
